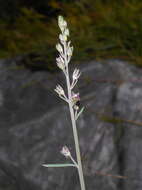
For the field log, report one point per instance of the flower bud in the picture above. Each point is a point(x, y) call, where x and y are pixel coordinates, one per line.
point(66, 32)
point(75, 98)
point(59, 48)
point(60, 63)
point(62, 37)
point(62, 23)
point(70, 51)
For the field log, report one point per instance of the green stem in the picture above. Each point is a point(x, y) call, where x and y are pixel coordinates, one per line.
point(75, 134)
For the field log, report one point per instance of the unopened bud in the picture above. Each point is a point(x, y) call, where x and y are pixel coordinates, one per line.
point(62, 37)
point(66, 32)
point(60, 63)
point(70, 51)
point(62, 23)
point(59, 48)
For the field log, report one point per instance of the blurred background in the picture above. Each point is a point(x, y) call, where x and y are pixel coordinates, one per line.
point(35, 123)
point(99, 28)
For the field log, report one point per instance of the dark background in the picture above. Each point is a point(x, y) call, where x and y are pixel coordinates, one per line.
point(99, 29)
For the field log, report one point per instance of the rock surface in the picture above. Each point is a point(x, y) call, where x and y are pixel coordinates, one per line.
point(35, 124)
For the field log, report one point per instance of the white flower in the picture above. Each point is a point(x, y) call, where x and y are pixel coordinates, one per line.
point(68, 44)
point(70, 51)
point(65, 151)
point(76, 74)
point(59, 90)
point(60, 59)
point(60, 63)
point(62, 37)
point(66, 32)
point(62, 23)
point(59, 48)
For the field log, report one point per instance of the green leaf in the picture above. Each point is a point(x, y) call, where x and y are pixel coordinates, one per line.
point(58, 165)
point(80, 112)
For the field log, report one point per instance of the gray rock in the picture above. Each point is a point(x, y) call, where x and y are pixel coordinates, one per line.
point(35, 124)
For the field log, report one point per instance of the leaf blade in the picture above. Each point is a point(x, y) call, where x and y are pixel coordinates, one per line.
point(58, 165)
point(80, 112)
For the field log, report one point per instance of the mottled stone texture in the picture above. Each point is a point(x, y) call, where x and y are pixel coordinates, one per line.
point(35, 124)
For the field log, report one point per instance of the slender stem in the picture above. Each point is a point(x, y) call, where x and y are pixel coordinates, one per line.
point(75, 163)
point(75, 134)
point(73, 85)
point(64, 98)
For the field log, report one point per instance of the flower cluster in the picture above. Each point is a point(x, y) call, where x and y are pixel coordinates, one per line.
point(65, 52)
point(73, 99)
point(60, 91)
point(64, 48)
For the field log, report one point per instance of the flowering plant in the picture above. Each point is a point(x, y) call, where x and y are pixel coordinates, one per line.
point(65, 53)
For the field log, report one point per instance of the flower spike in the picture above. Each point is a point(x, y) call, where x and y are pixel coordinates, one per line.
point(73, 99)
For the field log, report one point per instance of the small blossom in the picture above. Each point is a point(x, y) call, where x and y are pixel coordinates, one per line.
point(62, 23)
point(70, 51)
point(59, 48)
point(60, 20)
point(59, 90)
point(60, 59)
point(65, 151)
point(66, 32)
point(68, 44)
point(76, 74)
point(63, 37)
point(75, 98)
point(60, 63)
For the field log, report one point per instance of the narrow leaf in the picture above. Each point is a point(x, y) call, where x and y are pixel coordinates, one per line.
point(80, 112)
point(58, 165)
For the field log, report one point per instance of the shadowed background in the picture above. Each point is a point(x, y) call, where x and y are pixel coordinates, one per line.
point(99, 28)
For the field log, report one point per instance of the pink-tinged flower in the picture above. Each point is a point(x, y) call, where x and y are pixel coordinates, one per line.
point(75, 97)
point(65, 151)
point(75, 100)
